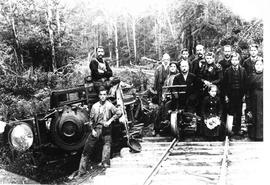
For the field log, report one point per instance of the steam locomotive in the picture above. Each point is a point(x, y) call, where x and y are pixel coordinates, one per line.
point(63, 126)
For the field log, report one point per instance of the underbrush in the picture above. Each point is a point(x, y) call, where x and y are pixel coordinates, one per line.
point(24, 96)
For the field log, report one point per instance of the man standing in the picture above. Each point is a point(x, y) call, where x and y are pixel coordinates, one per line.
point(184, 56)
point(160, 76)
point(102, 114)
point(197, 66)
point(234, 86)
point(198, 63)
point(189, 100)
point(249, 63)
point(226, 61)
point(100, 69)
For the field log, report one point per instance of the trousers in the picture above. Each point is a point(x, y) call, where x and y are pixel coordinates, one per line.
point(103, 133)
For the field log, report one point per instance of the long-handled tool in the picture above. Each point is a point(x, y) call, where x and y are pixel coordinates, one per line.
point(133, 144)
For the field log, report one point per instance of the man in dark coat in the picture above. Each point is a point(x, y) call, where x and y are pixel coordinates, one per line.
point(249, 63)
point(198, 63)
point(100, 69)
point(197, 66)
point(226, 61)
point(188, 101)
point(160, 75)
point(234, 86)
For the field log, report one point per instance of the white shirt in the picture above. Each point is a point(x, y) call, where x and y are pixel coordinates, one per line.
point(185, 76)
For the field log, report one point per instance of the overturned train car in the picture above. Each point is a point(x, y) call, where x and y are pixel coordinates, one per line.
point(63, 126)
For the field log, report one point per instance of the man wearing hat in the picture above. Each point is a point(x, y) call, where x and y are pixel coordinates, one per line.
point(161, 74)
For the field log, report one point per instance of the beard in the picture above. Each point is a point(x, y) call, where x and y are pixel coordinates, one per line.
point(184, 71)
point(200, 55)
point(100, 56)
point(227, 56)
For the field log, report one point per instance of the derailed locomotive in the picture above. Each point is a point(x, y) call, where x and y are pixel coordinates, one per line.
point(64, 125)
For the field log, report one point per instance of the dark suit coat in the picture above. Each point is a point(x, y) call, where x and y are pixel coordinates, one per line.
point(225, 64)
point(159, 77)
point(214, 76)
point(192, 82)
point(227, 80)
point(94, 70)
point(195, 67)
point(249, 66)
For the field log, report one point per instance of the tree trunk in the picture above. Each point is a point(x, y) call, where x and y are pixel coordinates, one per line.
point(109, 32)
point(49, 24)
point(58, 23)
point(126, 28)
point(134, 38)
point(156, 38)
point(116, 43)
point(159, 42)
point(170, 25)
point(18, 45)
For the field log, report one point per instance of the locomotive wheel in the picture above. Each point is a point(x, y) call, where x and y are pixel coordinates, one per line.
point(68, 130)
point(173, 123)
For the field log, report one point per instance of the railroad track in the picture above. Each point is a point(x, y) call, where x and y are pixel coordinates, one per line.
point(166, 161)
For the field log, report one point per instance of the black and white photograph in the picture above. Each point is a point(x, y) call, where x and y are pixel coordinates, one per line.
point(134, 92)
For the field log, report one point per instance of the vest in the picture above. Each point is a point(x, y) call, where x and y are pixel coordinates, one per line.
point(236, 79)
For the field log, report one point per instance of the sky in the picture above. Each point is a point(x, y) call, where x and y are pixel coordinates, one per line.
point(248, 9)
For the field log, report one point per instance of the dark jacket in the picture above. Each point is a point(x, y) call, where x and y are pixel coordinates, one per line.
point(160, 77)
point(211, 106)
point(255, 104)
point(196, 68)
point(225, 64)
point(193, 84)
point(212, 73)
point(94, 65)
point(249, 66)
point(227, 80)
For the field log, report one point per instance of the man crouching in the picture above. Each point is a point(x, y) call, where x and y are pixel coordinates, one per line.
point(102, 114)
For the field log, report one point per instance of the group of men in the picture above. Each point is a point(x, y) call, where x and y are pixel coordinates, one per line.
point(198, 75)
point(230, 75)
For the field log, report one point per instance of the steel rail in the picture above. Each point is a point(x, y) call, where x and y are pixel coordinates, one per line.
point(155, 169)
point(224, 163)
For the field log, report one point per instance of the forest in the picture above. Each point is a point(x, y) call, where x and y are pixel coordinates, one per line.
point(42, 42)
